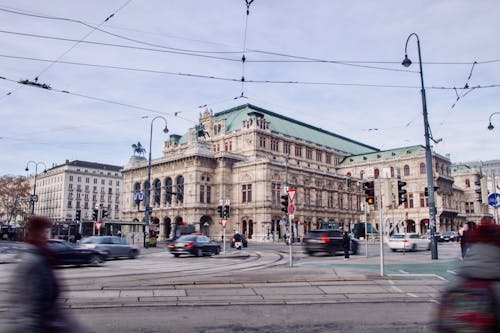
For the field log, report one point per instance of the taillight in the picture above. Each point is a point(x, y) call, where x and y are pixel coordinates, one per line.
point(405, 240)
point(171, 246)
point(190, 245)
point(325, 240)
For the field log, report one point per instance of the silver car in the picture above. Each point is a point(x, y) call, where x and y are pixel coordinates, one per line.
point(110, 246)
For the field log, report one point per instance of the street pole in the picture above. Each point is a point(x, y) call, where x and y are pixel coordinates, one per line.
point(381, 221)
point(495, 191)
point(287, 216)
point(147, 213)
point(428, 153)
point(33, 198)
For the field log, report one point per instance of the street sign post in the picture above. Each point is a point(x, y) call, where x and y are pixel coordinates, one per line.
point(494, 200)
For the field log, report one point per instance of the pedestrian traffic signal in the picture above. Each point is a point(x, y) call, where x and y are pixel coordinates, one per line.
point(94, 214)
point(401, 192)
point(284, 203)
point(219, 210)
point(426, 192)
point(104, 213)
point(78, 215)
point(226, 211)
point(369, 188)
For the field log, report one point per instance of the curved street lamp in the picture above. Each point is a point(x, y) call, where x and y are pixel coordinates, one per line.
point(428, 154)
point(147, 197)
point(33, 197)
point(490, 126)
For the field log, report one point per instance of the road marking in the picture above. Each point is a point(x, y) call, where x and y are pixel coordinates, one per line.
point(397, 289)
point(412, 295)
point(404, 272)
point(451, 272)
point(422, 275)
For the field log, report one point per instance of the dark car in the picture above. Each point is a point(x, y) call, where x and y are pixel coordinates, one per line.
point(449, 236)
point(327, 241)
point(244, 240)
point(111, 246)
point(197, 245)
point(67, 254)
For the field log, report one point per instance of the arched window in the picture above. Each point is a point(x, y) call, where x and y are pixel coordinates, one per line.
point(406, 170)
point(423, 171)
point(168, 190)
point(137, 187)
point(180, 188)
point(467, 182)
point(157, 189)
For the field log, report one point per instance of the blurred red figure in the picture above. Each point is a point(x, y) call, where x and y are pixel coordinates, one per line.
point(472, 303)
point(35, 288)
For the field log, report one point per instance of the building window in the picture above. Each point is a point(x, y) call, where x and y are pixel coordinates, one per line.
point(168, 190)
point(392, 172)
point(95, 180)
point(309, 153)
point(70, 186)
point(228, 146)
point(70, 204)
point(202, 193)
point(286, 148)
point(274, 144)
point(246, 193)
point(319, 198)
point(376, 173)
point(70, 178)
point(469, 208)
point(467, 182)
point(262, 142)
point(406, 170)
point(410, 200)
point(79, 179)
point(424, 201)
point(157, 187)
point(209, 194)
point(87, 180)
point(275, 193)
point(422, 169)
point(328, 158)
point(329, 200)
point(319, 156)
point(180, 189)
point(298, 150)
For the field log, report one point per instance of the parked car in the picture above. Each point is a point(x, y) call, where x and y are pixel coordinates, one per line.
point(449, 236)
point(437, 235)
point(111, 246)
point(408, 242)
point(68, 254)
point(327, 241)
point(198, 245)
point(244, 240)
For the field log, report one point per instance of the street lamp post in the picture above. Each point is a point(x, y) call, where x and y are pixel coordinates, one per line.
point(34, 198)
point(147, 197)
point(490, 126)
point(428, 154)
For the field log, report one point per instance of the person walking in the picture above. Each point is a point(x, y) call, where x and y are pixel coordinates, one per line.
point(35, 288)
point(346, 244)
point(464, 239)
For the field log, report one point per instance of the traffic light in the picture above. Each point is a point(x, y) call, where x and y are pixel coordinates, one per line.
point(219, 210)
point(225, 213)
point(426, 191)
point(369, 188)
point(78, 215)
point(401, 192)
point(104, 213)
point(284, 203)
point(94, 214)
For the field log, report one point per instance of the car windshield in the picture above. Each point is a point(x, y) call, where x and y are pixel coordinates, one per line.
point(398, 236)
point(186, 239)
point(91, 240)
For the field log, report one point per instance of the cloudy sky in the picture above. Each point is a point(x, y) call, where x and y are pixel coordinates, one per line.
point(114, 65)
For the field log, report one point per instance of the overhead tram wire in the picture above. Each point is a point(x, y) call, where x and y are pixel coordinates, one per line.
point(243, 58)
point(73, 46)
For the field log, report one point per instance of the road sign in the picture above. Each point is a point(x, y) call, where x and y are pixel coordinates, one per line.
point(291, 209)
point(494, 200)
point(98, 225)
point(33, 198)
point(291, 195)
point(223, 221)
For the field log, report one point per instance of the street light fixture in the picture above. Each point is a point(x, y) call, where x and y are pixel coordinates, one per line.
point(428, 154)
point(490, 126)
point(34, 198)
point(147, 198)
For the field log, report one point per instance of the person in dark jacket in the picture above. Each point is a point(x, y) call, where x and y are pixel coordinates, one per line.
point(464, 239)
point(346, 244)
point(35, 287)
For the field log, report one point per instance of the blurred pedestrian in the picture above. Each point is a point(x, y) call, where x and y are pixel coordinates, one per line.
point(35, 288)
point(346, 244)
point(464, 239)
point(471, 303)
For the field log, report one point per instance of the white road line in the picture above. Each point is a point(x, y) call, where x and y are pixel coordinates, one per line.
point(412, 295)
point(404, 272)
point(451, 272)
point(397, 289)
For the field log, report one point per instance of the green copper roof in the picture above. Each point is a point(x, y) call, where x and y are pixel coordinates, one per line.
point(384, 155)
point(460, 168)
point(293, 128)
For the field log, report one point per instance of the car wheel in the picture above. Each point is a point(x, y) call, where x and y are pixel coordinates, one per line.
point(393, 250)
point(414, 247)
point(177, 255)
point(95, 260)
point(132, 254)
point(199, 253)
point(216, 251)
point(311, 253)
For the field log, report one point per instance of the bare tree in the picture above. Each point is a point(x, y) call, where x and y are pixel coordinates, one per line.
point(14, 198)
